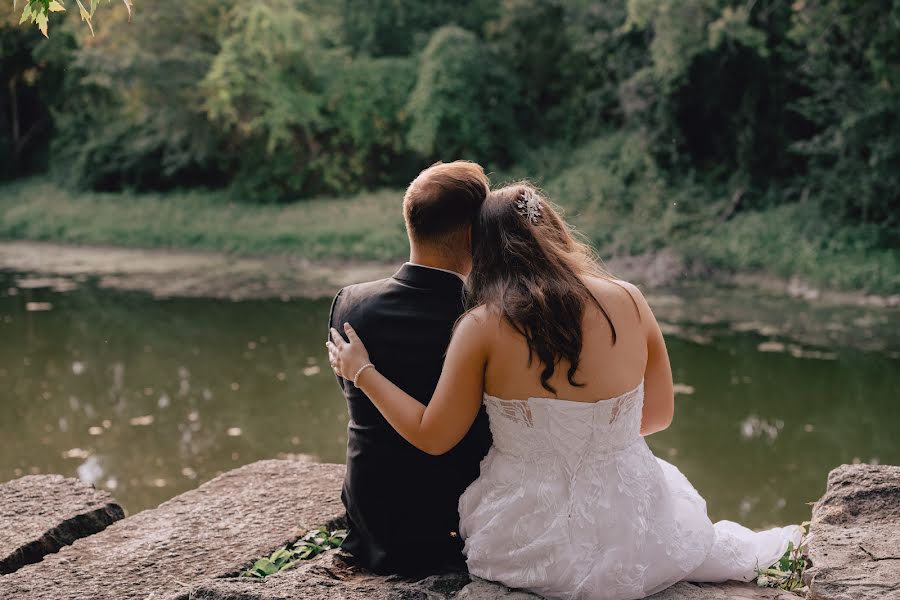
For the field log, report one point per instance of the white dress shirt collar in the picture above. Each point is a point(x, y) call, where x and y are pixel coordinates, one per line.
point(460, 275)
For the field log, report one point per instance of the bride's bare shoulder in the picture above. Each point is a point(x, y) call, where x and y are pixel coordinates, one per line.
point(477, 328)
point(613, 286)
point(619, 292)
point(480, 316)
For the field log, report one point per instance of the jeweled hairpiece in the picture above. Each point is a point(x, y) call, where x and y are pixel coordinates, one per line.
point(529, 206)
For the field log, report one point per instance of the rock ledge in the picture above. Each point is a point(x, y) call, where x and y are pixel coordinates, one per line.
point(39, 514)
point(194, 546)
point(855, 545)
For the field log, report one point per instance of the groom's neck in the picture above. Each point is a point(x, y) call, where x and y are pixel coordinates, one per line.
point(429, 257)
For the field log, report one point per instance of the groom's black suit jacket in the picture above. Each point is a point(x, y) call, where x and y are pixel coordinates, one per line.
point(401, 502)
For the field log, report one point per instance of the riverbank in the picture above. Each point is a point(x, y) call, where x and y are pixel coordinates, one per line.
point(185, 273)
point(689, 303)
point(788, 248)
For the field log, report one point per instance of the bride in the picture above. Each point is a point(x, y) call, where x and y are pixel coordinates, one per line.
point(572, 369)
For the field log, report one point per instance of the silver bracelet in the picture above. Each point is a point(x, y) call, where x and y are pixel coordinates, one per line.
point(361, 369)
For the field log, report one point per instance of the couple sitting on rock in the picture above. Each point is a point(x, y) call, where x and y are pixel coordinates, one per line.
point(500, 386)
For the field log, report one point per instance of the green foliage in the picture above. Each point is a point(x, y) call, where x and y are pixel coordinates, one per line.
point(715, 95)
point(303, 116)
point(266, 78)
point(401, 27)
point(367, 123)
point(462, 104)
point(129, 114)
point(654, 118)
point(850, 62)
point(38, 11)
point(787, 573)
point(364, 227)
point(264, 88)
point(311, 545)
point(25, 126)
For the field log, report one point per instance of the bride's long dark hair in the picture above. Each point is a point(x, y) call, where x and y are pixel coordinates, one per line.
point(531, 271)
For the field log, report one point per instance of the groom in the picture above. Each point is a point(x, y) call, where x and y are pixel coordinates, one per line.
point(402, 503)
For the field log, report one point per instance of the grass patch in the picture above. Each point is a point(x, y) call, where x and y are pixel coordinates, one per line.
point(795, 240)
point(364, 227)
point(308, 547)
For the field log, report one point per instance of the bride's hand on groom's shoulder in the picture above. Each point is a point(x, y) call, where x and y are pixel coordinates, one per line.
point(347, 358)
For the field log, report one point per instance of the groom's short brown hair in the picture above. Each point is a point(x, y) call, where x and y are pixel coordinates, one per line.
point(443, 200)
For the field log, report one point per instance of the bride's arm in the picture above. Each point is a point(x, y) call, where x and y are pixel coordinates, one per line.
point(441, 425)
point(659, 395)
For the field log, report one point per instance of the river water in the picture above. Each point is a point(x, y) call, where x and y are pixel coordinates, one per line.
point(148, 398)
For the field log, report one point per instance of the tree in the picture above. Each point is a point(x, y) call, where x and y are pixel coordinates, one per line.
point(265, 88)
point(402, 27)
point(570, 57)
point(716, 94)
point(32, 70)
point(850, 62)
point(130, 114)
point(463, 103)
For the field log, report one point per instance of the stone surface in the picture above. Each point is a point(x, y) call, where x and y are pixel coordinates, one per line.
point(730, 590)
point(214, 531)
point(330, 576)
point(194, 546)
point(855, 543)
point(39, 514)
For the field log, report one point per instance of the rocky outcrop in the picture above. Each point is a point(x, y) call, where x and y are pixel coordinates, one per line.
point(194, 547)
point(214, 531)
point(855, 545)
point(39, 514)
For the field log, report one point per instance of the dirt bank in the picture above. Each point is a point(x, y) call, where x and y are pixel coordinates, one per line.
point(169, 273)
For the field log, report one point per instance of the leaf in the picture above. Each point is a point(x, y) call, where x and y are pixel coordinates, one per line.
point(85, 15)
point(129, 6)
point(26, 14)
point(56, 6)
point(41, 20)
point(775, 573)
point(281, 553)
point(264, 566)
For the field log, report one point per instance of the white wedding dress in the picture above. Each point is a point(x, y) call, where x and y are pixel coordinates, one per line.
point(572, 504)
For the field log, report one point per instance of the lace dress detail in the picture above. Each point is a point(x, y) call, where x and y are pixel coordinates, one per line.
point(572, 504)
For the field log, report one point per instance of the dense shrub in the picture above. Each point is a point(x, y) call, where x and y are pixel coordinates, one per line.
point(462, 104)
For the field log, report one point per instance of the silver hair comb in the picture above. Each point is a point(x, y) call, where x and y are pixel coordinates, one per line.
point(529, 206)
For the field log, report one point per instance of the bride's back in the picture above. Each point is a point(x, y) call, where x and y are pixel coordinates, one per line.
point(605, 369)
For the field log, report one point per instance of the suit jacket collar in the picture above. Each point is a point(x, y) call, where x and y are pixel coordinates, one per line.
point(423, 277)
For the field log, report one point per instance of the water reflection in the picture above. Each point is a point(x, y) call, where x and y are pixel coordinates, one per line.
point(152, 397)
point(148, 398)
